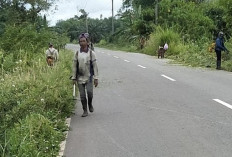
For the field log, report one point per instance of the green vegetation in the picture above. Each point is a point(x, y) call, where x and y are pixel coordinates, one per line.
point(188, 26)
point(35, 100)
point(34, 104)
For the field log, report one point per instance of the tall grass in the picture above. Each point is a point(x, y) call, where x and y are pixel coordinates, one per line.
point(159, 37)
point(34, 102)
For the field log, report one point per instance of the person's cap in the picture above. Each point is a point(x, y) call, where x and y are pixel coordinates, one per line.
point(84, 35)
point(221, 33)
point(87, 35)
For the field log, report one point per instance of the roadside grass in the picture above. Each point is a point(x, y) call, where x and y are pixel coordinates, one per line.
point(35, 100)
point(189, 53)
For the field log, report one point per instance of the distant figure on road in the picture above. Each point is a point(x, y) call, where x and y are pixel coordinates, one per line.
point(142, 42)
point(161, 52)
point(220, 47)
point(85, 73)
point(52, 55)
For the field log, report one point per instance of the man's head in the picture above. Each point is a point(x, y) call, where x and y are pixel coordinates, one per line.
point(50, 45)
point(84, 35)
point(220, 34)
point(83, 40)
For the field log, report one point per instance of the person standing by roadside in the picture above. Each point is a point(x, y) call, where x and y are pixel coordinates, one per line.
point(52, 55)
point(142, 42)
point(220, 47)
point(85, 73)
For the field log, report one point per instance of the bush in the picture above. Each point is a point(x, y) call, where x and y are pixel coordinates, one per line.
point(159, 37)
point(102, 42)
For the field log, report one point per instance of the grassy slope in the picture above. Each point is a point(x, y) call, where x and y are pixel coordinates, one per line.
point(34, 103)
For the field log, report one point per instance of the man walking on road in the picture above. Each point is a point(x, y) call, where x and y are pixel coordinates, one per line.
point(85, 73)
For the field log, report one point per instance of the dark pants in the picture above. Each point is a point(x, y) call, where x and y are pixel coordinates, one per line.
point(219, 56)
point(82, 90)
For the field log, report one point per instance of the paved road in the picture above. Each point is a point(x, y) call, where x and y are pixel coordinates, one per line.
point(145, 107)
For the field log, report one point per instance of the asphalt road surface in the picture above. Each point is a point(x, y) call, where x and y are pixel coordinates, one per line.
point(145, 107)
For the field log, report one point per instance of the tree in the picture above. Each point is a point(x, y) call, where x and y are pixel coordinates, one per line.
point(20, 11)
point(188, 18)
point(137, 3)
point(227, 4)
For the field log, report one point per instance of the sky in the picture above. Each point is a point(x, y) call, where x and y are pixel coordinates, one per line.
point(65, 9)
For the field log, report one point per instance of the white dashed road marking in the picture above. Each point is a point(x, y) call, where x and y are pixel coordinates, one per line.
point(141, 66)
point(116, 57)
point(168, 78)
point(223, 103)
point(126, 61)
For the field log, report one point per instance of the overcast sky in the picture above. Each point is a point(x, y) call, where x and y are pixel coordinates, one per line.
point(65, 9)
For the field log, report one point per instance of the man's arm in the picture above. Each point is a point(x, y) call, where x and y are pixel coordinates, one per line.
point(219, 44)
point(95, 68)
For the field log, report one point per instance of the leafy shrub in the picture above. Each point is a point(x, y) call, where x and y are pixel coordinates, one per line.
point(186, 18)
point(102, 42)
point(158, 38)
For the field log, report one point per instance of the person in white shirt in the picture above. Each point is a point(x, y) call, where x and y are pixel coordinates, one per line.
point(85, 73)
point(52, 55)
